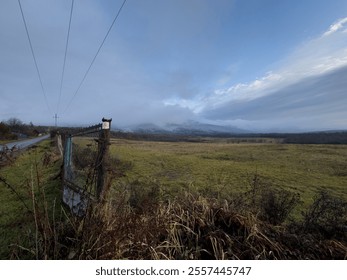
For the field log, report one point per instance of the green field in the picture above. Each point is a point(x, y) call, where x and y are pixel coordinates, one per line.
point(32, 172)
point(222, 168)
point(179, 183)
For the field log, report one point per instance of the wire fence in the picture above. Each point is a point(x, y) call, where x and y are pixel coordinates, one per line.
point(84, 154)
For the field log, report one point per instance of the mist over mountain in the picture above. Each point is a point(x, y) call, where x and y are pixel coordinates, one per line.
point(186, 128)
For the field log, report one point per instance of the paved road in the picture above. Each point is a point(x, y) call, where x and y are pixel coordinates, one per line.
point(25, 143)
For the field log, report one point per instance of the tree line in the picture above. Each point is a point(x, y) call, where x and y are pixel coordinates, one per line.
point(14, 128)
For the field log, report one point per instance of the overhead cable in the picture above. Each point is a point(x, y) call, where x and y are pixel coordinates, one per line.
point(66, 47)
point(33, 54)
point(93, 60)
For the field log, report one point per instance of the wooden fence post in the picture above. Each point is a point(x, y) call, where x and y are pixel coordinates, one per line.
point(103, 143)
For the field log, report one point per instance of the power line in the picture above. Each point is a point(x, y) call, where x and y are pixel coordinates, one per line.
point(66, 46)
point(91, 64)
point(33, 54)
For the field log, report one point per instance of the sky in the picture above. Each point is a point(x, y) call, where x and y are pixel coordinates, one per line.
point(261, 65)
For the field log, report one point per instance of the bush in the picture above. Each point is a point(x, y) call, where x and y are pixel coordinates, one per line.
point(326, 216)
point(276, 205)
point(271, 205)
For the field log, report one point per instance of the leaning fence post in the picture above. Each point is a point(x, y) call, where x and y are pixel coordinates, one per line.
point(59, 144)
point(103, 143)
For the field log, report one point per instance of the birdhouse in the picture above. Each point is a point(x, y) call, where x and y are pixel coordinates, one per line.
point(106, 123)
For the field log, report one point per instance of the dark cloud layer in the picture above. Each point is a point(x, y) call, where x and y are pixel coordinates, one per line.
point(320, 97)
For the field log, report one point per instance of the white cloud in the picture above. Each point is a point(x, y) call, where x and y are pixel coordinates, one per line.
point(336, 26)
point(245, 91)
point(317, 102)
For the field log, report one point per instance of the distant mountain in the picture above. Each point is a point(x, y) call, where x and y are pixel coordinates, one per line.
point(187, 128)
point(193, 127)
point(149, 128)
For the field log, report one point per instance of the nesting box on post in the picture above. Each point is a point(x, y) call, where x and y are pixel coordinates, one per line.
point(104, 142)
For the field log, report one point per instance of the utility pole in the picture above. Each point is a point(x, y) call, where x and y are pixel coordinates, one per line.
point(55, 117)
point(103, 143)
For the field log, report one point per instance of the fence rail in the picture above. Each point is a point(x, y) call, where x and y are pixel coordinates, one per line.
point(89, 130)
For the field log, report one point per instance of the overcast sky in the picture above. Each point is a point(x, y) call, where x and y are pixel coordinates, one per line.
point(255, 64)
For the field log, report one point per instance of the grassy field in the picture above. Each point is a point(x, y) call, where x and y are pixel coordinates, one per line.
point(221, 169)
point(32, 172)
point(179, 200)
point(218, 199)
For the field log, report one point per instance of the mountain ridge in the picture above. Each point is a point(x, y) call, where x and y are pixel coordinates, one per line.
point(187, 128)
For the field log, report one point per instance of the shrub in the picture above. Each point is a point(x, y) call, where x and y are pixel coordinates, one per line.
point(326, 216)
point(270, 204)
point(276, 205)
